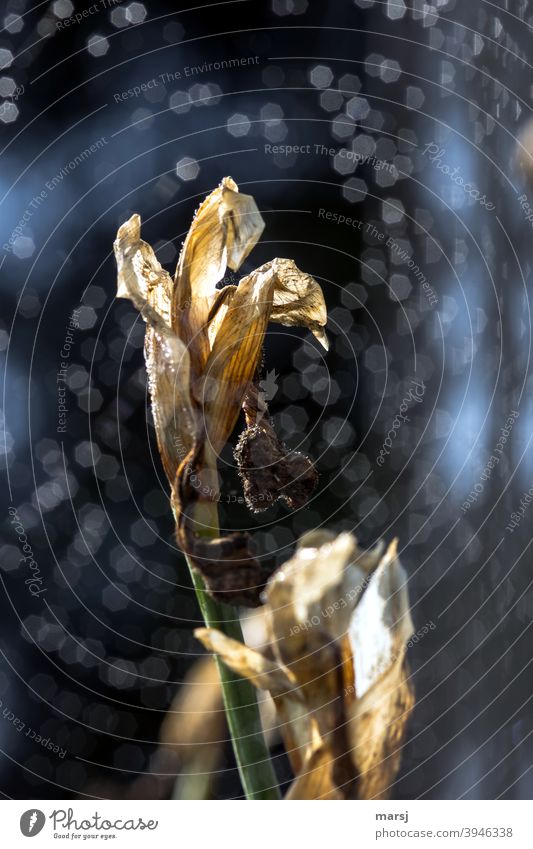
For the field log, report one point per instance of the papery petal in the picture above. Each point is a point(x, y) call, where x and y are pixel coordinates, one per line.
point(251, 664)
point(235, 355)
point(380, 628)
point(142, 279)
point(298, 300)
point(314, 780)
point(295, 724)
point(318, 587)
point(277, 291)
point(226, 227)
point(383, 611)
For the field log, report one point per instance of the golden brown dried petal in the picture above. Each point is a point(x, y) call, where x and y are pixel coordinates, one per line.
point(384, 697)
point(314, 779)
point(226, 227)
point(295, 722)
point(377, 731)
point(298, 300)
point(277, 291)
point(235, 355)
point(251, 664)
point(318, 588)
point(148, 286)
point(140, 275)
point(343, 698)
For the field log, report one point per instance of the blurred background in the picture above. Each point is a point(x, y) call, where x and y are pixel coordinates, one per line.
point(387, 145)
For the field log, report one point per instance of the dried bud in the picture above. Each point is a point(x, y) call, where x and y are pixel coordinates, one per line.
point(269, 471)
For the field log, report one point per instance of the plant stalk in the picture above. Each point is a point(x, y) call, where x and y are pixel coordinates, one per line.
point(242, 712)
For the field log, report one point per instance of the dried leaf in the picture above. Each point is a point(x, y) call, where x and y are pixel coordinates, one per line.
point(377, 731)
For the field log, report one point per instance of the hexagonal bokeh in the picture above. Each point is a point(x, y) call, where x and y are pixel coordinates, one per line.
point(13, 23)
point(62, 8)
point(7, 86)
point(390, 70)
point(136, 13)
point(355, 190)
point(321, 76)
point(97, 45)
point(180, 102)
point(6, 58)
point(187, 168)
point(23, 246)
point(119, 18)
point(395, 9)
point(393, 211)
point(238, 124)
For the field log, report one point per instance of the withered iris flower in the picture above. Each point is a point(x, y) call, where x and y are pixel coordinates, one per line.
point(338, 624)
point(203, 350)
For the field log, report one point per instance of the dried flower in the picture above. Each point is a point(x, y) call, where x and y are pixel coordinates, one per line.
point(203, 349)
point(335, 665)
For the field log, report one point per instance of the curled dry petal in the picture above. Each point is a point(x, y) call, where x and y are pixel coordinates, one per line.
point(384, 695)
point(276, 291)
point(142, 279)
point(321, 583)
point(248, 663)
point(296, 724)
point(298, 300)
point(226, 227)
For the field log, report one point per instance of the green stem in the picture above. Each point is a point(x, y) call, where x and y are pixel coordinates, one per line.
point(242, 712)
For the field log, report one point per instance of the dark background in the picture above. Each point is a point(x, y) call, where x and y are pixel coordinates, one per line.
point(94, 662)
